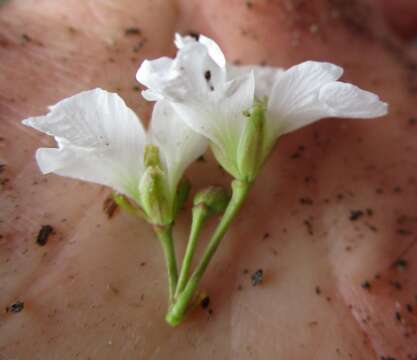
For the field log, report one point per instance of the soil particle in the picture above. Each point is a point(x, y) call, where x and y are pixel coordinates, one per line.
point(355, 215)
point(205, 302)
point(133, 31)
point(306, 201)
point(43, 235)
point(366, 285)
point(400, 264)
point(109, 207)
point(257, 277)
point(194, 35)
point(15, 308)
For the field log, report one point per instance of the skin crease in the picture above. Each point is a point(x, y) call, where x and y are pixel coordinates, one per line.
point(96, 290)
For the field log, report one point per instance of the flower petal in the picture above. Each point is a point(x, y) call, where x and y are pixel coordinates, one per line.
point(347, 100)
point(192, 73)
point(154, 74)
point(265, 76)
point(178, 144)
point(307, 92)
point(99, 140)
point(213, 49)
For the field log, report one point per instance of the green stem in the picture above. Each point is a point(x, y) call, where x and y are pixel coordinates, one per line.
point(164, 234)
point(177, 311)
point(200, 214)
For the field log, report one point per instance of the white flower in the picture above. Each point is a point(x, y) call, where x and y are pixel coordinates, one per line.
point(101, 140)
point(211, 96)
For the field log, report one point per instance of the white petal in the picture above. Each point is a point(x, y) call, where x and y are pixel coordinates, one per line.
point(99, 140)
point(347, 100)
point(303, 94)
point(192, 73)
point(213, 49)
point(265, 76)
point(178, 144)
point(155, 74)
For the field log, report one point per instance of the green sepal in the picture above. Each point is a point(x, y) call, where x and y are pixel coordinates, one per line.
point(123, 202)
point(183, 190)
point(250, 148)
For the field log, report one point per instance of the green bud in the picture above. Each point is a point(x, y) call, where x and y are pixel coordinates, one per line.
point(154, 196)
point(250, 147)
point(215, 198)
point(151, 157)
point(181, 196)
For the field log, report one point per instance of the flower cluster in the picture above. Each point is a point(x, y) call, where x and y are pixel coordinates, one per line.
point(243, 110)
point(200, 100)
point(101, 140)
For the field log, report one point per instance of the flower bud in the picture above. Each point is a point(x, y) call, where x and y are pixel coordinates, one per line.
point(154, 196)
point(250, 147)
point(151, 157)
point(215, 198)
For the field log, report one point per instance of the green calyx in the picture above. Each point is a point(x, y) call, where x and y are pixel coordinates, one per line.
point(250, 155)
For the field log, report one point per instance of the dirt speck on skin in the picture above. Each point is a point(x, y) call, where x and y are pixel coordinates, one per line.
point(309, 226)
point(43, 235)
point(110, 207)
point(72, 30)
point(205, 302)
point(26, 38)
point(193, 34)
point(306, 201)
point(400, 264)
point(15, 308)
point(355, 215)
point(136, 48)
point(257, 277)
point(133, 31)
point(113, 289)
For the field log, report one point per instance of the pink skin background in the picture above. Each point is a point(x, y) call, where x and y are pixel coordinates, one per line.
point(97, 289)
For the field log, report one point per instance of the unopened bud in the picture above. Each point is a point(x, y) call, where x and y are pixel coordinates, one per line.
point(154, 196)
point(215, 198)
point(151, 157)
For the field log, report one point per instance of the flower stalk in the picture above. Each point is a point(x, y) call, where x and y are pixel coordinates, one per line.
point(178, 310)
point(199, 216)
point(164, 234)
